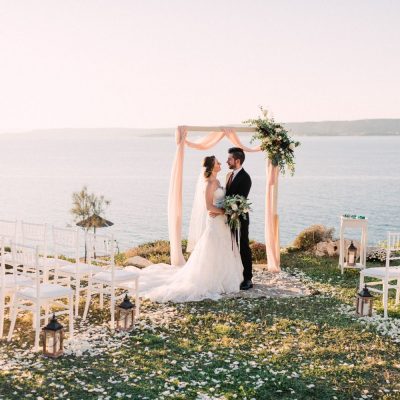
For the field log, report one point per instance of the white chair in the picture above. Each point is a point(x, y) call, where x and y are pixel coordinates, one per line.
point(8, 231)
point(10, 281)
point(112, 279)
point(388, 276)
point(39, 294)
point(66, 243)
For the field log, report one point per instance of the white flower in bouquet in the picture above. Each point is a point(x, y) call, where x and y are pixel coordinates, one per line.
point(292, 146)
point(236, 207)
point(265, 113)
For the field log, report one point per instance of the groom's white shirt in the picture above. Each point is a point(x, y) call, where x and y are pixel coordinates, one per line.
point(235, 172)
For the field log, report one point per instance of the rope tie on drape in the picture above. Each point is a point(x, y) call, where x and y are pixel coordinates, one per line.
point(175, 195)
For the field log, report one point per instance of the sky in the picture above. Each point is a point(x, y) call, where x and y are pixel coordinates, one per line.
point(158, 63)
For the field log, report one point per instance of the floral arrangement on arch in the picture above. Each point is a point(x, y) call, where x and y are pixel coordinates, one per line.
point(275, 141)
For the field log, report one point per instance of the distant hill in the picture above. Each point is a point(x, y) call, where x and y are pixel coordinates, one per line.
point(362, 127)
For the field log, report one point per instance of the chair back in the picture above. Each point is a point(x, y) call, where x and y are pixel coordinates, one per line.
point(28, 257)
point(8, 231)
point(66, 242)
point(101, 250)
point(393, 248)
point(35, 235)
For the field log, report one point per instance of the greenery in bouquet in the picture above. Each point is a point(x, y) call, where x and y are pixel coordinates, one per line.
point(275, 141)
point(236, 207)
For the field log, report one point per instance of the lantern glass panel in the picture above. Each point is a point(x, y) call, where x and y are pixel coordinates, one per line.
point(53, 343)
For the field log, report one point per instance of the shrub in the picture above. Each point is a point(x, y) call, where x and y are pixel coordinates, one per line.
point(309, 237)
point(258, 252)
point(120, 258)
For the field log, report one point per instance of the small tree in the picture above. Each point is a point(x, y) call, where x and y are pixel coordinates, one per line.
point(85, 204)
point(81, 204)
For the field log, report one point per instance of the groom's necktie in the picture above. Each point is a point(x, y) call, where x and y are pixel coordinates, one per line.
point(228, 184)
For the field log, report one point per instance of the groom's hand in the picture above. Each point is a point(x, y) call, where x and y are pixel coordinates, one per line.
point(212, 214)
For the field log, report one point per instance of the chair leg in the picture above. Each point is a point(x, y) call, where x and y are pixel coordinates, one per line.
point(137, 298)
point(101, 297)
point(13, 317)
point(71, 315)
point(46, 314)
point(112, 307)
point(77, 290)
point(87, 303)
point(361, 285)
point(37, 328)
point(2, 307)
point(385, 299)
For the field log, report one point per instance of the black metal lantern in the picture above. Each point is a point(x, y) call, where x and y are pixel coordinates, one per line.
point(125, 315)
point(364, 303)
point(53, 339)
point(351, 255)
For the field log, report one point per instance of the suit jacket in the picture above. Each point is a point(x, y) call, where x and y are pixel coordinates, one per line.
point(240, 185)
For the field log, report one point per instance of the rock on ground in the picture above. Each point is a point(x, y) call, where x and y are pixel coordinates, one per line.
point(331, 248)
point(137, 261)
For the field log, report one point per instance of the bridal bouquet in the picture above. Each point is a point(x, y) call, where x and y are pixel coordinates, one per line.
point(235, 207)
point(275, 141)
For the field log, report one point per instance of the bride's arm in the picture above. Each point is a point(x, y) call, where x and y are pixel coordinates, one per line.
point(210, 188)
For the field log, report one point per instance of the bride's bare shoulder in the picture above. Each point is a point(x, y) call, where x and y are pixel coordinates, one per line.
point(212, 183)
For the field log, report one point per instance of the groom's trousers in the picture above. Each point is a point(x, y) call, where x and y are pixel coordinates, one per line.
point(245, 252)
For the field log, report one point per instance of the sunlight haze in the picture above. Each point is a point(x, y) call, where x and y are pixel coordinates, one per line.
point(149, 64)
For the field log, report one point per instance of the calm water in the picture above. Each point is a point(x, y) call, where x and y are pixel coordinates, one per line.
point(335, 175)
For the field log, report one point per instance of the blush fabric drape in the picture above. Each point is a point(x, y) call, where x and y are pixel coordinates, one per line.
point(175, 195)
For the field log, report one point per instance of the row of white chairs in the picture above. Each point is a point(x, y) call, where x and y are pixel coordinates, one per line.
point(28, 268)
point(387, 277)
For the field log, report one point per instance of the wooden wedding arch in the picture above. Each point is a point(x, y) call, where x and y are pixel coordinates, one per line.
point(213, 134)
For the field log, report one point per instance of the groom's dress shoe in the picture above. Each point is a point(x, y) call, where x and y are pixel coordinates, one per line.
point(246, 285)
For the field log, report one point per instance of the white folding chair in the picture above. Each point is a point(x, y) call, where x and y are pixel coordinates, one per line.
point(388, 276)
point(112, 279)
point(10, 282)
point(66, 243)
point(40, 294)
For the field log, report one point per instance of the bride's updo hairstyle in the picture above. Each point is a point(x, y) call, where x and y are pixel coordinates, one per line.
point(208, 164)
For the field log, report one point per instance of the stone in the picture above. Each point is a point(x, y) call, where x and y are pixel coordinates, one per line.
point(331, 248)
point(138, 261)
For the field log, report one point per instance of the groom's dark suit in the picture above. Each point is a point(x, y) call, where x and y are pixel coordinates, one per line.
point(241, 185)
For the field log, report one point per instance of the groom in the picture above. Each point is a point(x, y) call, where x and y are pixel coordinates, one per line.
point(239, 182)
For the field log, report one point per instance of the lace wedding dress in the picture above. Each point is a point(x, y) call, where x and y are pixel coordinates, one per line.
point(213, 268)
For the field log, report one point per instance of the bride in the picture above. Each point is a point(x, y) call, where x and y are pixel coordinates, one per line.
point(214, 266)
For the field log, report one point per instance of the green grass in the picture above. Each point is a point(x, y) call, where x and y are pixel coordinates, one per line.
point(293, 348)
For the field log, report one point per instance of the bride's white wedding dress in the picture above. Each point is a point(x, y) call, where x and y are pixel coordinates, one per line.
point(213, 268)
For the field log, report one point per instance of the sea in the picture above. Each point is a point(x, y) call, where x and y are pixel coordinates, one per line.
point(356, 175)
